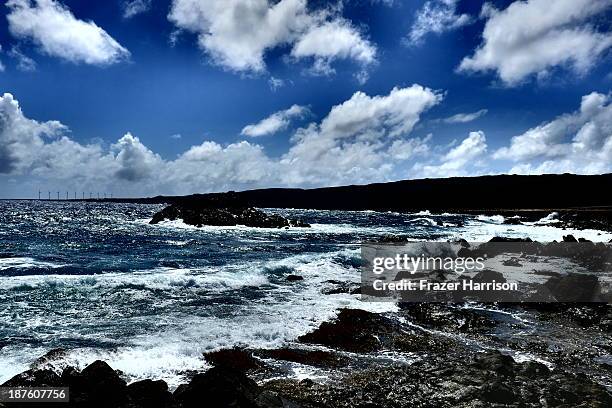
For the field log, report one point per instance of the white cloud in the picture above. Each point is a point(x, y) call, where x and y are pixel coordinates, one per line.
point(20, 137)
point(354, 142)
point(212, 167)
point(275, 123)
point(132, 8)
point(436, 16)
point(364, 115)
point(24, 63)
point(332, 40)
point(535, 36)
point(57, 32)
point(363, 139)
point(403, 149)
point(579, 142)
point(461, 160)
point(465, 117)
point(1, 65)
point(237, 34)
point(275, 83)
point(366, 138)
point(176, 136)
point(136, 161)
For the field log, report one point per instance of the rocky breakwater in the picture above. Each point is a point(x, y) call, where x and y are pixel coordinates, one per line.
point(226, 211)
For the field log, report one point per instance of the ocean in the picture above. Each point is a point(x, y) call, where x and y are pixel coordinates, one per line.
point(98, 281)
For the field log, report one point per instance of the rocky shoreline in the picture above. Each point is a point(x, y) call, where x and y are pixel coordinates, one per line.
point(440, 369)
point(423, 355)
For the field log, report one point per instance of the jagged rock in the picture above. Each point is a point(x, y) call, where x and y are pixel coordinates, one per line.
point(150, 394)
point(574, 288)
point(353, 330)
point(98, 385)
point(35, 378)
point(222, 387)
point(513, 261)
point(294, 278)
point(199, 215)
point(235, 358)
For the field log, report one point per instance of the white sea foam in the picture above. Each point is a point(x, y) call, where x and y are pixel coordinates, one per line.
point(314, 228)
point(494, 219)
point(426, 220)
point(25, 262)
point(551, 218)
point(158, 278)
point(283, 314)
point(478, 232)
point(425, 212)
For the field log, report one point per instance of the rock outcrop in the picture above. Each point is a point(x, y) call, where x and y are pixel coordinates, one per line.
point(227, 215)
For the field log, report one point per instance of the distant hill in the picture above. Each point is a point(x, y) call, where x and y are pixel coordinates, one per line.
point(485, 193)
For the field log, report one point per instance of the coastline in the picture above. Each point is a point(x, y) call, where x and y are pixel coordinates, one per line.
point(349, 353)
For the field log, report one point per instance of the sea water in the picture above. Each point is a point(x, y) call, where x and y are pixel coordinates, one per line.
point(98, 281)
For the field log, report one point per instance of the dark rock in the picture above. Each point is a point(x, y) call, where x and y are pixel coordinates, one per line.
point(505, 239)
point(513, 261)
point(534, 369)
point(489, 276)
point(236, 358)
point(98, 385)
point(391, 238)
point(569, 238)
point(149, 394)
point(498, 392)
point(353, 330)
point(222, 387)
point(513, 221)
point(447, 317)
point(496, 362)
point(294, 278)
point(49, 357)
point(197, 214)
point(35, 378)
point(463, 243)
point(574, 288)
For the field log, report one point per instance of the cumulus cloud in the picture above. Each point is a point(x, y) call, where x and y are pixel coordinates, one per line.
point(20, 136)
point(464, 117)
point(363, 139)
point(275, 123)
point(132, 8)
point(535, 36)
point(404, 149)
point(436, 16)
point(332, 40)
point(135, 161)
point(58, 33)
point(464, 159)
point(578, 142)
point(237, 34)
point(352, 143)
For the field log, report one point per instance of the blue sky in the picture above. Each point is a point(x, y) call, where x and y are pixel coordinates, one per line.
point(146, 97)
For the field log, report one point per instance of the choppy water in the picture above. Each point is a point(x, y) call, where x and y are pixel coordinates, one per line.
point(98, 280)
